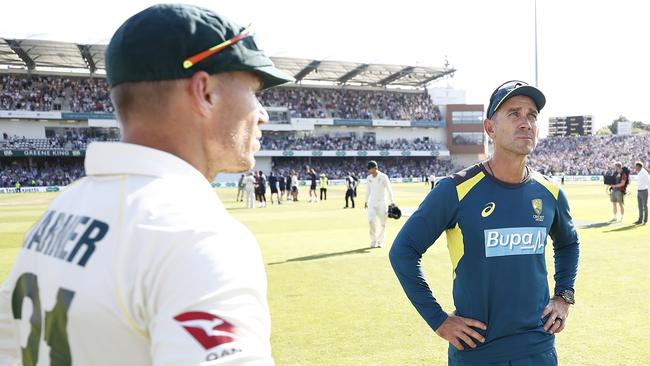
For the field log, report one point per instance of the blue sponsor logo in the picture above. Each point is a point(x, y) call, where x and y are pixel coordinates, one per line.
point(514, 241)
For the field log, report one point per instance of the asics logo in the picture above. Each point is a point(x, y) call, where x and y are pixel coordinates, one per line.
point(487, 211)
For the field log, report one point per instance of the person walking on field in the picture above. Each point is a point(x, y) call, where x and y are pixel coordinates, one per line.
point(642, 185)
point(323, 187)
point(377, 188)
point(273, 186)
point(249, 187)
point(350, 185)
point(240, 189)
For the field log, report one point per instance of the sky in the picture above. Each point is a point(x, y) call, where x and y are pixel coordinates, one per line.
point(593, 56)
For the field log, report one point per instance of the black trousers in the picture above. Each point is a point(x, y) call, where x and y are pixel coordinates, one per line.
point(642, 198)
point(323, 192)
point(349, 194)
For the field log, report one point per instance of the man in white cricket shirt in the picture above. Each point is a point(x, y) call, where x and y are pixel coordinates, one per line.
point(249, 186)
point(642, 185)
point(377, 188)
point(139, 263)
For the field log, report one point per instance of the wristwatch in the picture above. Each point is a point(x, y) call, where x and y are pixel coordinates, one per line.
point(568, 296)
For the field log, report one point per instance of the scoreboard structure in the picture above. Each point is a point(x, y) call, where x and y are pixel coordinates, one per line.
point(570, 126)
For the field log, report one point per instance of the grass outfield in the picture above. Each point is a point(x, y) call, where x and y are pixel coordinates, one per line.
point(335, 302)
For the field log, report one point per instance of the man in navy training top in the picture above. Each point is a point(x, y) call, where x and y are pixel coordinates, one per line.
point(273, 185)
point(497, 215)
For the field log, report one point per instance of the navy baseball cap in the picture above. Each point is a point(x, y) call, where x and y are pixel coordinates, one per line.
point(511, 89)
point(173, 41)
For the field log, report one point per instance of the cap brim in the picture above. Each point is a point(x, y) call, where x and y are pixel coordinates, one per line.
point(272, 76)
point(526, 90)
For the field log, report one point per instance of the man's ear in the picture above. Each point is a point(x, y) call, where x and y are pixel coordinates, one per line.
point(203, 93)
point(488, 125)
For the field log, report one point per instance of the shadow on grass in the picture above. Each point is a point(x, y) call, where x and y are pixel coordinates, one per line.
point(237, 208)
point(623, 228)
point(595, 225)
point(323, 255)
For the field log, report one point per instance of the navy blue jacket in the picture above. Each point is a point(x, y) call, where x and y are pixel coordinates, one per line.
point(496, 234)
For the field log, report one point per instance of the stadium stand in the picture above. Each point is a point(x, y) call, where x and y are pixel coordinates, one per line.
point(326, 142)
point(77, 142)
point(338, 168)
point(41, 172)
point(353, 104)
point(579, 155)
point(588, 155)
point(64, 171)
point(48, 93)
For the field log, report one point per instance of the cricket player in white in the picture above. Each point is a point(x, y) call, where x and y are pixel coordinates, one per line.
point(249, 185)
point(139, 263)
point(377, 188)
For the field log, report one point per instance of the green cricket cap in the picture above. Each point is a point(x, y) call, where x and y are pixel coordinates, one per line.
point(156, 43)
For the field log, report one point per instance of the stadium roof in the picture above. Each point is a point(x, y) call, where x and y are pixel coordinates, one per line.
point(37, 54)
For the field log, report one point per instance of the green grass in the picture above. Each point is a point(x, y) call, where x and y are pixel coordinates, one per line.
point(335, 302)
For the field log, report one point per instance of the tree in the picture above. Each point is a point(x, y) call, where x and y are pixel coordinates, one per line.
point(605, 130)
point(641, 126)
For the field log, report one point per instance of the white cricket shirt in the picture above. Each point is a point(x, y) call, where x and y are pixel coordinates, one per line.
point(643, 179)
point(138, 263)
point(249, 183)
point(377, 188)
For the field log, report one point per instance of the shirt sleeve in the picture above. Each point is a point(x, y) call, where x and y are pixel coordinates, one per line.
point(203, 299)
point(566, 246)
point(389, 189)
point(436, 214)
point(9, 348)
point(367, 188)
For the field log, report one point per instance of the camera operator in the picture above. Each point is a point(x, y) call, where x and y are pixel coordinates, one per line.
point(617, 193)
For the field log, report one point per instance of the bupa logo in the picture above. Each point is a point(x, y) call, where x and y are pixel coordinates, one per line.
point(514, 241)
point(208, 329)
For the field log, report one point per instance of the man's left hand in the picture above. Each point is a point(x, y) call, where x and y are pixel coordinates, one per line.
point(557, 311)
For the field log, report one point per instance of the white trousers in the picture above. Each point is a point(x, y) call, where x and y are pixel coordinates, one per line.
point(250, 198)
point(377, 216)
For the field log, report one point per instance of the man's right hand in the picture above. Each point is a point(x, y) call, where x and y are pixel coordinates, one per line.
point(456, 328)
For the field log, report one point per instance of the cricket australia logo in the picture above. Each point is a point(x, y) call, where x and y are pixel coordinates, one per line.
point(537, 207)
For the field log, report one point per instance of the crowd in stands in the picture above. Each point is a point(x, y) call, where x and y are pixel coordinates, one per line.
point(339, 168)
point(325, 142)
point(580, 155)
point(54, 93)
point(68, 141)
point(589, 155)
point(43, 172)
point(79, 94)
point(352, 104)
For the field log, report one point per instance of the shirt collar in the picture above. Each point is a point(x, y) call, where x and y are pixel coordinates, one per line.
point(117, 158)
